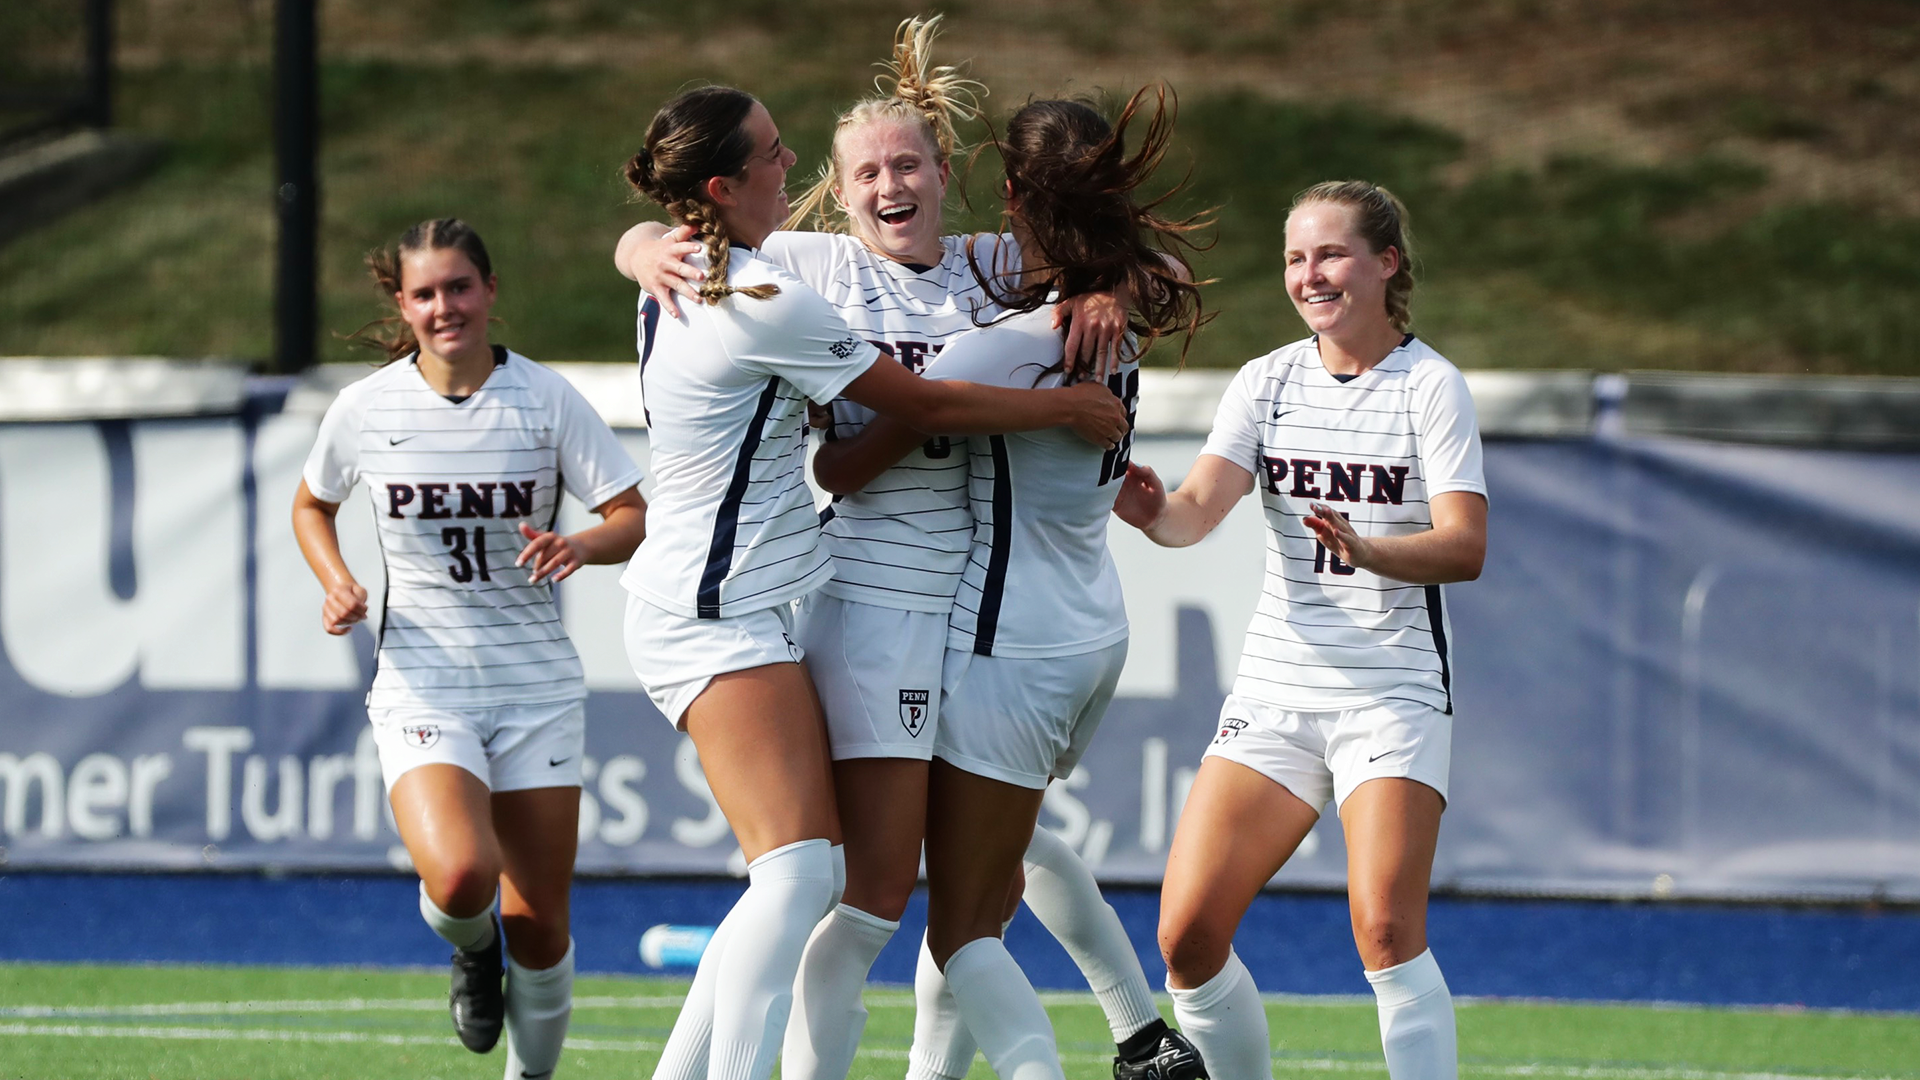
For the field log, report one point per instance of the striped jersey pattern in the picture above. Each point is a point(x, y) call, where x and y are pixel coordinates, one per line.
point(1039, 579)
point(1326, 636)
point(450, 484)
point(902, 541)
point(731, 527)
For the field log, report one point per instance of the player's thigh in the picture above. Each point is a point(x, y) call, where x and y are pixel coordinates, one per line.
point(446, 821)
point(1236, 830)
point(763, 746)
point(883, 819)
point(977, 829)
point(1392, 827)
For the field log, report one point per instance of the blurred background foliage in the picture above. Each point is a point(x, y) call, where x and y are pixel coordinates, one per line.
point(1606, 184)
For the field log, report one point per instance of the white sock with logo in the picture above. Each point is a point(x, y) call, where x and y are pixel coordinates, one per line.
point(1227, 1023)
point(943, 1048)
point(753, 987)
point(828, 1016)
point(1062, 894)
point(539, 1004)
point(471, 934)
point(1416, 1020)
point(1003, 1012)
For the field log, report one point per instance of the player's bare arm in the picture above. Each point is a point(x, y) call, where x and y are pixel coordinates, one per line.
point(555, 557)
point(1186, 515)
point(315, 529)
point(656, 257)
point(954, 407)
point(846, 466)
point(1453, 550)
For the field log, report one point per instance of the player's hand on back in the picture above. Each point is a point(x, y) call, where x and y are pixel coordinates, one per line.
point(663, 268)
point(1098, 416)
point(1096, 333)
point(1142, 500)
point(548, 555)
point(345, 604)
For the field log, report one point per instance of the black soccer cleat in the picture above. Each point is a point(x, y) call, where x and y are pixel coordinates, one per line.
point(1158, 1052)
point(477, 999)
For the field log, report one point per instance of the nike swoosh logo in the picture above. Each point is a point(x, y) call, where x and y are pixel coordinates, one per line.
point(391, 441)
point(1278, 413)
point(1377, 757)
point(553, 762)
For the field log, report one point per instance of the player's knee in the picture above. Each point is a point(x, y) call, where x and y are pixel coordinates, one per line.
point(463, 889)
point(1192, 954)
point(881, 895)
point(1385, 937)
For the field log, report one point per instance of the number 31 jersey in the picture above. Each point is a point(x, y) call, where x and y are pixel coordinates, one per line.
point(450, 485)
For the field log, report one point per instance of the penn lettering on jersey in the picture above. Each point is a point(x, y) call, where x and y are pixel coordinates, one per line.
point(1386, 485)
point(431, 500)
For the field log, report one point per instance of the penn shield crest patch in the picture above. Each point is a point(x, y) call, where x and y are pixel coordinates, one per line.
point(421, 736)
point(913, 710)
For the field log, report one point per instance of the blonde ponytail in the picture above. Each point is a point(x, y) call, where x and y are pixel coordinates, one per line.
point(913, 90)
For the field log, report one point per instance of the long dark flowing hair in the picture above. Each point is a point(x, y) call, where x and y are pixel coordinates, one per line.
point(1088, 232)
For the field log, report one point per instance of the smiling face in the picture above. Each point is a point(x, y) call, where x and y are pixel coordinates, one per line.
point(892, 184)
point(1337, 283)
point(445, 300)
point(753, 202)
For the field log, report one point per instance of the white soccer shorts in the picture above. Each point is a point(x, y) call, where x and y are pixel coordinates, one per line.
point(878, 673)
point(1326, 755)
point(509, 747)
point(1024, 721)
point(676, 657)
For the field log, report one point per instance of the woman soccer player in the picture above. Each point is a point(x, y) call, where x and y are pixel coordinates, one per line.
point(734, 538)
point(477, 699)
point(875, 633)
point(1038, 632)
point(1362, 441)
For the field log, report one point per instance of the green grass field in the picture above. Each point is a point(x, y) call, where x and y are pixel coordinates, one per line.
point(81, 1021)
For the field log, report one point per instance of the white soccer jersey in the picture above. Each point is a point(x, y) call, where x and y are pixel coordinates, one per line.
point(1326, 636)
point(732, 528)
point(1039, 580)
point(450, 485)
point(902, 542)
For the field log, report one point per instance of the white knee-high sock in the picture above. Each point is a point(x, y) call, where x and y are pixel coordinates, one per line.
point(1416, 1020)
point(1003, 1012)
point(753, 985)
point(828, 1016)
point(539, 1004)
point(1062, 894)
point(1227, 1023)
point(471, 934)
point(943, 1048)
point(685, 1055)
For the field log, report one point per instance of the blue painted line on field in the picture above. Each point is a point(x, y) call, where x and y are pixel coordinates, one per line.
point(1293, 942)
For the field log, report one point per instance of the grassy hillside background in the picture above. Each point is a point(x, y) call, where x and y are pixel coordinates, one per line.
point(1605, 184)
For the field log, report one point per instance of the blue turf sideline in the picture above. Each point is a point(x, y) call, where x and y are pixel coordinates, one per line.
point(1293, 942)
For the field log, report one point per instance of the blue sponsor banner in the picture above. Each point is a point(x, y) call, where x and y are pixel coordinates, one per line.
point(1689, 669)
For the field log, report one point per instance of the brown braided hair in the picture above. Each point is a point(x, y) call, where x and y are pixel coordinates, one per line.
point(391, 334)
point(1381, 220)
point(695, 137)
